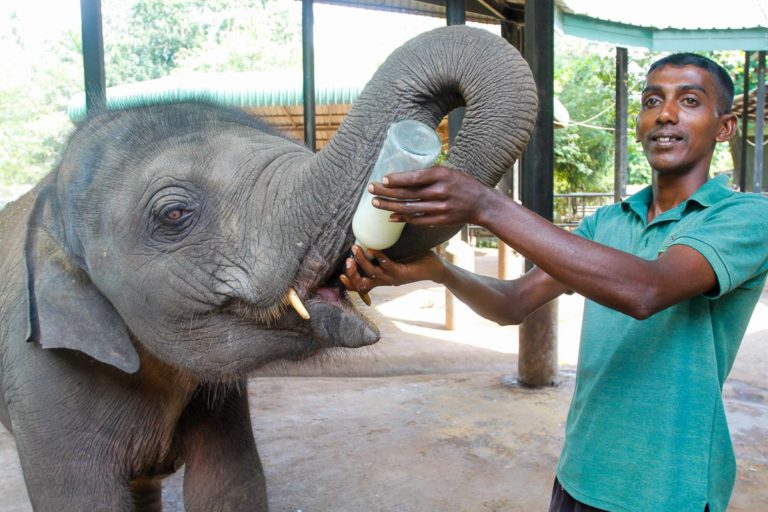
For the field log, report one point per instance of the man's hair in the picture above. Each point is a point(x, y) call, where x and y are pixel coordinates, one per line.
point(723, 81)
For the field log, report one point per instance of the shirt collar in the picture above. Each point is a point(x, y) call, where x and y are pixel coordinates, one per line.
point(711, 192)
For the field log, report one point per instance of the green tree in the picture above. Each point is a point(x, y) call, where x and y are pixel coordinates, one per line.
point(33, 101)
point(584, 83)
point(144, 39)
point(236, 39)
point(147, 44)
point(154, 38)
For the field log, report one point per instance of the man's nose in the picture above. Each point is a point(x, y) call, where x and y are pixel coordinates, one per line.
point(668, 113)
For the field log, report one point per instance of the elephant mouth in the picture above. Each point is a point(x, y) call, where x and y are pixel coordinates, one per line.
point(335, 321)
point(323, 303)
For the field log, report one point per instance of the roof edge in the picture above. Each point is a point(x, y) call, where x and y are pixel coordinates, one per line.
point(750, 39)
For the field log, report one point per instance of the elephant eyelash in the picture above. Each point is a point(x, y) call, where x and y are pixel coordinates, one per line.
point(266, 315)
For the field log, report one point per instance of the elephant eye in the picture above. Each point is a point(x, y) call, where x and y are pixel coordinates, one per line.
point(175, 214)
point(173, 222)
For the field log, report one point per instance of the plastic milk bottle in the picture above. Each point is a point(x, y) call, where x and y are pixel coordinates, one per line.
point(409, 145)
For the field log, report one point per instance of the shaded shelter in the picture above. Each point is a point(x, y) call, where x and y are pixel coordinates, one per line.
point(530, 25)
point(745, 144)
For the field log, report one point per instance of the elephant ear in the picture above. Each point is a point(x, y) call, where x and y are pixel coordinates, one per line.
point(65, 309)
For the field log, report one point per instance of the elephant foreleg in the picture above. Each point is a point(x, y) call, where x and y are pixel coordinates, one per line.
point(223, 471)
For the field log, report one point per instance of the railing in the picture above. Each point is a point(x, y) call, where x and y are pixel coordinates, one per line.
point(570, 208)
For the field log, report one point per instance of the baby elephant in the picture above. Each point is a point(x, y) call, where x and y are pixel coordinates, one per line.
point(176, 248)
point(157, 255)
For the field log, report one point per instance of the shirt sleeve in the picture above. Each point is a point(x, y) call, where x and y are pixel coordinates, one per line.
point(733, 237)
point(586, 228)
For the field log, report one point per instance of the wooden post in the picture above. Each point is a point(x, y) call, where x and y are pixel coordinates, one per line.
point(621, 126)
point(757, 183)
point(744, 168)
point(462, 255)
point(308, 60)
point(456, 14)
point(93, 55)
point(502, 261)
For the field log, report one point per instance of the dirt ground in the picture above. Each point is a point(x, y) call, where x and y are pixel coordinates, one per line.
point(431, 420)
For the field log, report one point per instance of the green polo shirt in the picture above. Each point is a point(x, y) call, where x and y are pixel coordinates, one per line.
point(646, 429)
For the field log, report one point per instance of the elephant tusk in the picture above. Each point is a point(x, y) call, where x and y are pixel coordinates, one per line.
point(295, 301)
point(366, 298)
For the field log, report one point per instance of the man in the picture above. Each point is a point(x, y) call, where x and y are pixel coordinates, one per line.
point(671, 275)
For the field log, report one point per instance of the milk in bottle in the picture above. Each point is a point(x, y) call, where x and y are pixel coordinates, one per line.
point(409, 145)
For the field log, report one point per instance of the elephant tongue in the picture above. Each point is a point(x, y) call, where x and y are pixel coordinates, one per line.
point(330, 293)
point(335, 322)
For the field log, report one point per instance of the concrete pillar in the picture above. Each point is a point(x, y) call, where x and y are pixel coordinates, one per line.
point(537, 358)
point(537, 361)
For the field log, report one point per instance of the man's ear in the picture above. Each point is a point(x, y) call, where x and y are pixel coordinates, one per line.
point(65, 309)
point(728, 126)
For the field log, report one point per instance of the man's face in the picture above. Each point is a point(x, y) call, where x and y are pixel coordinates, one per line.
point(679, 122)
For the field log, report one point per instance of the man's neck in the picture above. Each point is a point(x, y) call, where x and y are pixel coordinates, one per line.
point(669, 190)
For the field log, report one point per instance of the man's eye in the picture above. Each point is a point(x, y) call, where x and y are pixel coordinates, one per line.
point(651, 102)
point(690, 101)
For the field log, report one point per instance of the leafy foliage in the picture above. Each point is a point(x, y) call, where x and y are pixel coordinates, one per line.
point(584, 82)
point(143, 39)
point(147, 39)
point(158, 37)
point(33, 102)
point(148, 45)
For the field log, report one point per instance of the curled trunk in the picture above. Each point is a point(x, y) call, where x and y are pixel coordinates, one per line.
point(426, 78)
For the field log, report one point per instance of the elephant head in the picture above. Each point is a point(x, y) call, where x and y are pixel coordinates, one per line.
point(184, 228)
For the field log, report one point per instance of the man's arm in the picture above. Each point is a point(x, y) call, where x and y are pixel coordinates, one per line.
point(504, 302)
point(616, 279)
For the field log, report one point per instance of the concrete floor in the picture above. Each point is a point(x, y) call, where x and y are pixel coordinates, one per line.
point(430, 420)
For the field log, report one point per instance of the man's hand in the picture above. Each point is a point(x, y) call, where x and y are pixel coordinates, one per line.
point(362, 275)
point(436, 196)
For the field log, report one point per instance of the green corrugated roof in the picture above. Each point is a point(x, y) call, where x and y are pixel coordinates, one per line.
point(662, 39)
point(227, 89)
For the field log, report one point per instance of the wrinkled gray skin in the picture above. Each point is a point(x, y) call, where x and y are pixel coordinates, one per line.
point(145, 276)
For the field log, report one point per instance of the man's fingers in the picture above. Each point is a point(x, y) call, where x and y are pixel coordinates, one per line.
point(366, 266)
point(402, 207)
point(417, 178)
point(401, 194)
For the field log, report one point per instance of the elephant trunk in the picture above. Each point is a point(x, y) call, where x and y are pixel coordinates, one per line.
point(425, 79)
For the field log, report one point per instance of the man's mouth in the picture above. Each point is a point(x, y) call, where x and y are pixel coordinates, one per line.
point(666, 140)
